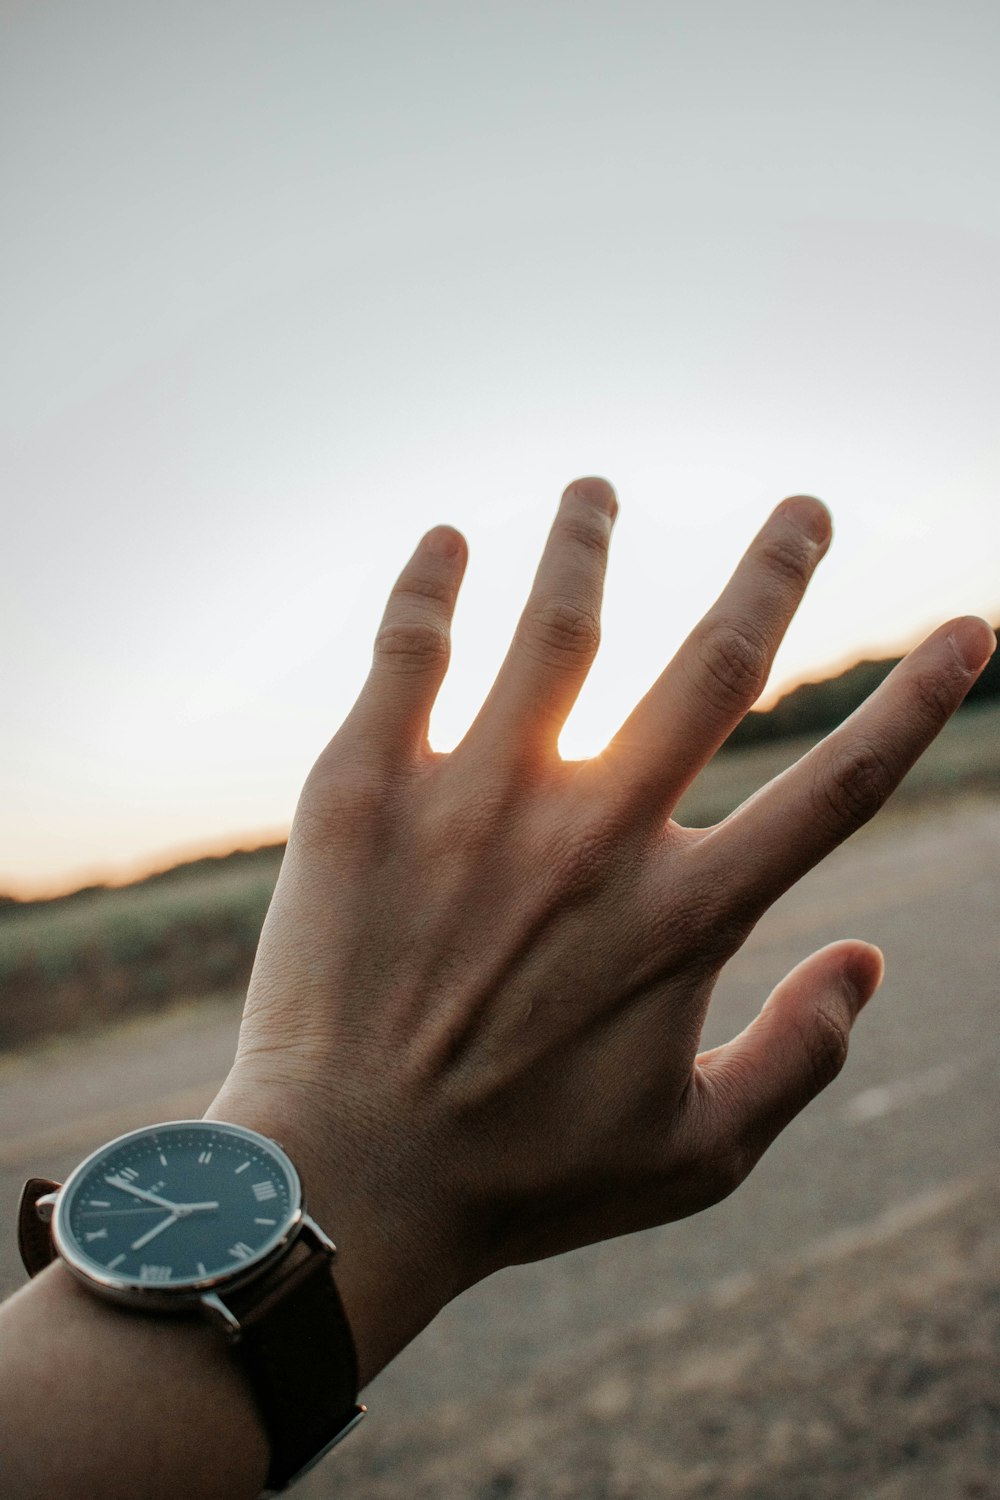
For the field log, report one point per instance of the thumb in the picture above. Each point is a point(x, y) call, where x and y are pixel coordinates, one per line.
point(797, 1045)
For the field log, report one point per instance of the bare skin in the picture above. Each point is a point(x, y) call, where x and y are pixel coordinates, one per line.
point(482, 982)
point(475, 1014)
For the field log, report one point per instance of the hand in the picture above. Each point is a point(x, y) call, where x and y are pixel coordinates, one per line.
point(151, 1234)
point(123, 1184)
point(154, 1198)
point(475, 1013)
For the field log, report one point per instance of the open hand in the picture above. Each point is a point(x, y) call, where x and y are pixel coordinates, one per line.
point(475, 1014)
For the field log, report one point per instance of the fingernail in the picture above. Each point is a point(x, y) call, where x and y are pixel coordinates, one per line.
point(443, 541)
point(810, 516)
point(862, 975)
point(597, 492)
point(973, 643)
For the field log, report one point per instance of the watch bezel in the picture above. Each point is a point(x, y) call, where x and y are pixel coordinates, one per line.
point(183, 1296)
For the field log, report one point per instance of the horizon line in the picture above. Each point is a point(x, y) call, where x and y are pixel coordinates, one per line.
point(104, 876)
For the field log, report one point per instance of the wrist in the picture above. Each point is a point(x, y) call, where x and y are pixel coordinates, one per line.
point(395, 1267)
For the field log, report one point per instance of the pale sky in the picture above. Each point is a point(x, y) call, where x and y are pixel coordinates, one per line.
point(283, 285)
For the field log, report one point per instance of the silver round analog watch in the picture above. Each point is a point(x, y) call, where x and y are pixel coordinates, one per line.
point(201, 1216)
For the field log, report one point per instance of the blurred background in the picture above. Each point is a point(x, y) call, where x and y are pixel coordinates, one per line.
point(283, 286)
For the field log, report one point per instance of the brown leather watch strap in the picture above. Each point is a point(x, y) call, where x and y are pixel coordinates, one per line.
point(34, 1238)
point(297, 1348)
point(294, 1341)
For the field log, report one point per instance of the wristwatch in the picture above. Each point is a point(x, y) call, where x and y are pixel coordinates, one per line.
point(205, 1218)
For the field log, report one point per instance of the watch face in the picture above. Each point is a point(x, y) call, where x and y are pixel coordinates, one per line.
point(177, 1205)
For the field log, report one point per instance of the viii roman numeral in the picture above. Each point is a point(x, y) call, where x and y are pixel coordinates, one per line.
point(239, 1251)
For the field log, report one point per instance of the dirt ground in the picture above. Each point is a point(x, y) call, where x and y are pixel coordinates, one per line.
point(830, 1332)
point(869, 1371)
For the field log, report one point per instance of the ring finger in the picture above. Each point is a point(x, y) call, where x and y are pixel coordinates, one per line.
point(722, 668)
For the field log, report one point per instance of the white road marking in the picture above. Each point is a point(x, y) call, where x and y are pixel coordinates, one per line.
point(872, 1104)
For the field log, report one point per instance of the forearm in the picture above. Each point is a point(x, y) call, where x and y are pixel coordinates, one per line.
point(96, 1400)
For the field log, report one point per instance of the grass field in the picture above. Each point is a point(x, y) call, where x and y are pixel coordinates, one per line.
point(72, 964)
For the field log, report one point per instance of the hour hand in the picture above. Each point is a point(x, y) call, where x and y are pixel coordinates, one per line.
point(144, 1239)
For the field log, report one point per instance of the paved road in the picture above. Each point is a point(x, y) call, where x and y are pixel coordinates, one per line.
point(914, 1111)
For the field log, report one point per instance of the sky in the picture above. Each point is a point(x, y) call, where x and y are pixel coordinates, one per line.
point(282, 286)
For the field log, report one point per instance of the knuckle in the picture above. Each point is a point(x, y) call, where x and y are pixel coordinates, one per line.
point(789, 558)
point(734, 662)
point(850, 790)
point(413, 645)
point(937, 694)
point(337, 797)
point(586, 528)
point(423, 586)
point(561, 631)
point(828, 1045)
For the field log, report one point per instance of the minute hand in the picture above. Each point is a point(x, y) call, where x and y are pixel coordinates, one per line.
point(126, 1187)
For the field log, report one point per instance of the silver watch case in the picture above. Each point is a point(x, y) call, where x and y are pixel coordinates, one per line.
point(204, 1296)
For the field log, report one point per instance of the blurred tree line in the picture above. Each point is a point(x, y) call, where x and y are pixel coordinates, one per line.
point(98, 954)
point(818, 707)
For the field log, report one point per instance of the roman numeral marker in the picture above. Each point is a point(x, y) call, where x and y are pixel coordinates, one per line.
point(262, 1191)
point(240, 1251)
point(204, 1158)
point(155, 1273)
point(96, 1234)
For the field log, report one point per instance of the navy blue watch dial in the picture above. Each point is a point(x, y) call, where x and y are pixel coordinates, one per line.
point(179, 1204)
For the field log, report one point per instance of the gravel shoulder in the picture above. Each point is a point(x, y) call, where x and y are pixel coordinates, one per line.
point(869, 1368)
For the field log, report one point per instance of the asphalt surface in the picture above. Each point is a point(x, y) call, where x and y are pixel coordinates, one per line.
point(912, 1119)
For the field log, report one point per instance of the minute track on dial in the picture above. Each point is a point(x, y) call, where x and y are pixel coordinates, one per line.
point(209, 1181)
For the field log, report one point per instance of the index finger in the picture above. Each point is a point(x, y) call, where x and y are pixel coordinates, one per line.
point(797, 819)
